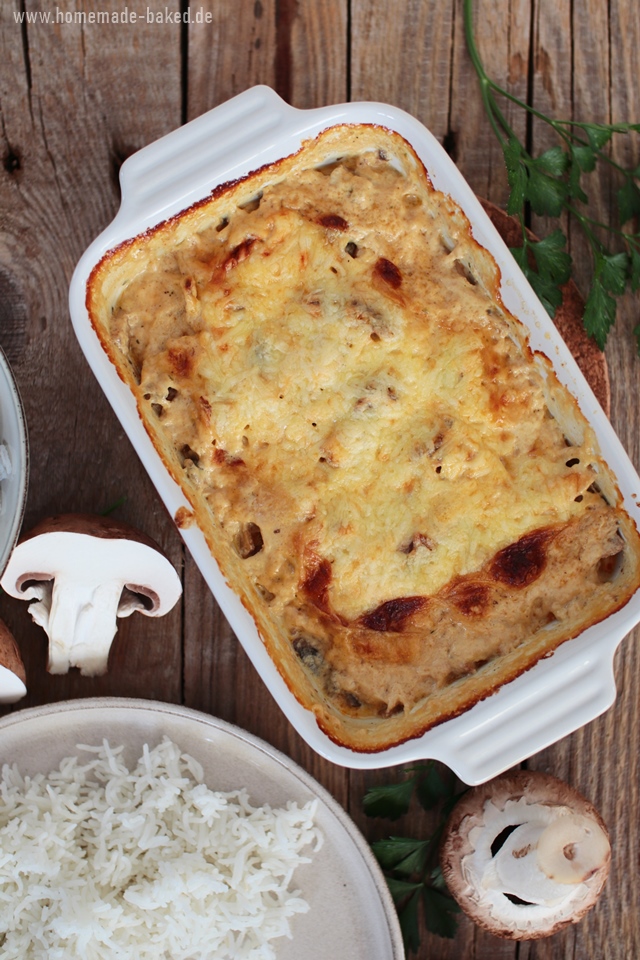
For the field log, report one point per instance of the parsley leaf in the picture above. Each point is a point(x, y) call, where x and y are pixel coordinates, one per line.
point(628, 198)
point(613, 273)
point(431, 787)
point(634, 255)
point(552, 259)
point(555, 161)
point(553, 265)
point(598, 134)
point(410, 865)
point(390, 800)
point(409, 922)
point(583, 157)
point(438, 912)
point(546, 194)
point(402, 855)
point(599, 313)
point(552, 185)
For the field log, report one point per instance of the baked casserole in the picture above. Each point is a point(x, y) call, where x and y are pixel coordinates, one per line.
point(409, 503)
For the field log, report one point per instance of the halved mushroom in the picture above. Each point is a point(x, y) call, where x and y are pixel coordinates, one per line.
point(525, 855)
point(12, 673)
point(84, 571)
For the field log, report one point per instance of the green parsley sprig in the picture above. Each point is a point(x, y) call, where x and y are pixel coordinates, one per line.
point(550, 184)
point(411, 866)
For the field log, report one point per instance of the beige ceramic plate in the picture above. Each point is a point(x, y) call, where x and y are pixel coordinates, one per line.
point(352, 916)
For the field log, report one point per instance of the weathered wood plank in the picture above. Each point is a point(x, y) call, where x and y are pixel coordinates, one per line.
point(501, 32)
point(298, 47)
point(75, 100)
point(620, 769)
point(574, 59)
point(232, 50)
point(402, 55)
point(69, 112)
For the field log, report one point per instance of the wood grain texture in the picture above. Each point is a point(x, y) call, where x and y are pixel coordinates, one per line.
point(502, 36)
point(234, 51)
point(77, 99)
point(401, 54)
point(623, 722)
point(69, 113)
point(298, 47)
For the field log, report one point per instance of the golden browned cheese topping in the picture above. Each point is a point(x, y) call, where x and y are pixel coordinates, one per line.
point(398, 483)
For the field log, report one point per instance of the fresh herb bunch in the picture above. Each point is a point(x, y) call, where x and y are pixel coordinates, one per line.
point(550, 184)
point(410, 866)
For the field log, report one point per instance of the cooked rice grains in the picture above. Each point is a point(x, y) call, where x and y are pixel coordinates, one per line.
point(99, 862)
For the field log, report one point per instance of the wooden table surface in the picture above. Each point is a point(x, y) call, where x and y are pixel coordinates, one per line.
point(75, 101)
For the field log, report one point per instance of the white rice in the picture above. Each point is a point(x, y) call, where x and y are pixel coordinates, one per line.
point(97, 862)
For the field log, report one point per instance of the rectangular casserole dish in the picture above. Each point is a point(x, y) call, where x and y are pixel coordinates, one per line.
point(245, 135)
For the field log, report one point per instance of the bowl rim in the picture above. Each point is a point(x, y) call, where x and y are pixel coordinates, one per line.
point(21, 454)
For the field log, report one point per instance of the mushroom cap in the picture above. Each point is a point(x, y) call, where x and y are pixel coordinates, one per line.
point(91, 524)
point(12, 673)
point(480, 825)
point(28, 563)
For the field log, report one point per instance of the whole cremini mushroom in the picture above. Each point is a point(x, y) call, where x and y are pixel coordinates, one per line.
point(12, 673)
point(525, 855)
point(83, 571)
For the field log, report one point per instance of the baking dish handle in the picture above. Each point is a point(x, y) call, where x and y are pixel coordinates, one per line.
point(547, 703)
point(184, 166)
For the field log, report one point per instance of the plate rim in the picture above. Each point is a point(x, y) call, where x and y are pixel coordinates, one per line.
point(17, 413)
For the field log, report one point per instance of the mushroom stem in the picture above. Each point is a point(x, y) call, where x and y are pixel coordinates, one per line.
point(12, 672)
point(79, 617)
point(517, 870)
point(572, 849)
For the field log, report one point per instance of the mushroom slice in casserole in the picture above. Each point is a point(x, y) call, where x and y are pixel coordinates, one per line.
point(410, 504)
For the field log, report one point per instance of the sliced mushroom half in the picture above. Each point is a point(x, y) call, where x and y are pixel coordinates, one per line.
point(525, 855)
point(81, 572)
point(12, 673)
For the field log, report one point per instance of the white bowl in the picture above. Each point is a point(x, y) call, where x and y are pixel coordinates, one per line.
point(351, 911)
point(13, 437)
point(560, 693)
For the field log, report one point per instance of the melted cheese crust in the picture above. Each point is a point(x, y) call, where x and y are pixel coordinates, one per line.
point(396, 486)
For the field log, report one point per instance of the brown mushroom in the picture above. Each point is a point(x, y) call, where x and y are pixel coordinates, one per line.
point(83, 571)
point(525, 855)
point(12, 673)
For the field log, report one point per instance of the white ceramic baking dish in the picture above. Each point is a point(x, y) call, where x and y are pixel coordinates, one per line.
point(560, 693)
